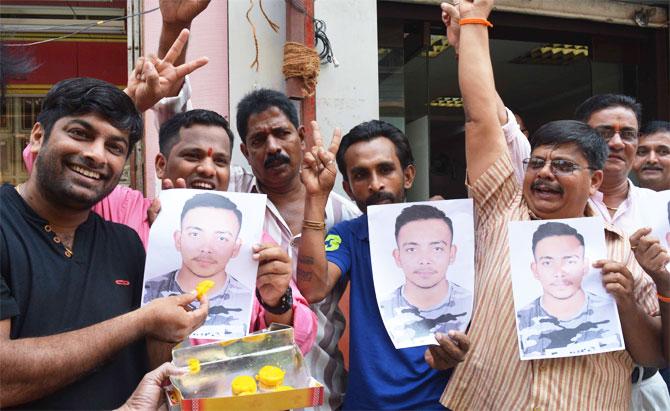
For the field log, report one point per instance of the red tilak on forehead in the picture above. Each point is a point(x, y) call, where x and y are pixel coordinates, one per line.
point(209, 152)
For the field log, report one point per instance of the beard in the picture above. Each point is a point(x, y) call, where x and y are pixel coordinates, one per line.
point(52, 181)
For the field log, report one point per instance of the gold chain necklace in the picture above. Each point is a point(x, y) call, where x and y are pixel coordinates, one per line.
point(47, 228)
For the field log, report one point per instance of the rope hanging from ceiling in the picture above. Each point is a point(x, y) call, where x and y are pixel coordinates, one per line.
point(274, 26)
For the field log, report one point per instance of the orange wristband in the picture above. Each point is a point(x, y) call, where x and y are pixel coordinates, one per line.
point(663, 298)
point(483, 22)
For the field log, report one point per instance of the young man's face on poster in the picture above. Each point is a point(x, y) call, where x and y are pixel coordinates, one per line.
point(424, 252)
point(560, 266)
point(207, 240)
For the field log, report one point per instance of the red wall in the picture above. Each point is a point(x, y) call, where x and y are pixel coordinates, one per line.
point(60, 60)
point(97, 57)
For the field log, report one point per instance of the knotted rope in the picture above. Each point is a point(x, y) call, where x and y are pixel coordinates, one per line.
point(303, 62)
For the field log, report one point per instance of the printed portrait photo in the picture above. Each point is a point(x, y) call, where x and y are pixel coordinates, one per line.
point(423, 268)
point(207, 235)
point(562, 307)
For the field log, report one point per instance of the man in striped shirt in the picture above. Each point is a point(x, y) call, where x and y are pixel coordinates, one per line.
point(568, 158)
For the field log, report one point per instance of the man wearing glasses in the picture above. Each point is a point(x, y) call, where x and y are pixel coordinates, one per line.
point(621, 203)
point(616, 118)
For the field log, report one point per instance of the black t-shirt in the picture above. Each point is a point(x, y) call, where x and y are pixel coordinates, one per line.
point(45, 292)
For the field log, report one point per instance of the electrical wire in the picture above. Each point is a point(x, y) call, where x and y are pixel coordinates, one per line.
point(320, 36)
point(326, 54)
point(83, 29)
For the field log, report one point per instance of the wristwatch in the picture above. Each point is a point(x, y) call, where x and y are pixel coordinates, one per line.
point(285, 302)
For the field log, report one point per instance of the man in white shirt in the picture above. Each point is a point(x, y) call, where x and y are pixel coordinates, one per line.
point(616, 118)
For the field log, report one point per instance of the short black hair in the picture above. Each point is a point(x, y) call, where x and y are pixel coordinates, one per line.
point(554, 229)
point(563, 132)
point(419, 212)
point(211, 200)
point(169, 131)
point(82, 95)
point(654, 127)
point(370, 130)
point(604, 101)
point(260, 100)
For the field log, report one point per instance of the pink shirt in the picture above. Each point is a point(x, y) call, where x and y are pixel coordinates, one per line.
point(129, 207)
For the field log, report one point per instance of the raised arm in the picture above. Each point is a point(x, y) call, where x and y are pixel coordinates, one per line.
point(35, 367)
point(316, 277)
point(451, 18)
point(484, 140)
point(517, 143)
point(177, 15)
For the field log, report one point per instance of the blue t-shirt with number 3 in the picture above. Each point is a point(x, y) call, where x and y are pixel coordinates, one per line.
point(380, 376)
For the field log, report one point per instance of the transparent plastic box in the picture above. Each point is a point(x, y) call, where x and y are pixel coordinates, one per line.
point(220, 362)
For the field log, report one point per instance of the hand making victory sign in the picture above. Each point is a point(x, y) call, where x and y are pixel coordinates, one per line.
point(319, 170)
point(154, 78)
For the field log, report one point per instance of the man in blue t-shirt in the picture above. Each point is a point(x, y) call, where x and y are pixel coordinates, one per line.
point(377, 165)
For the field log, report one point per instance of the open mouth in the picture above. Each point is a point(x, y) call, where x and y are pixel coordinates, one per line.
point(202, 185)
point(85, 172)
point(544, 190)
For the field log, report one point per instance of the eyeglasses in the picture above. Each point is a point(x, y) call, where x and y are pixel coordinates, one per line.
point(558, 167)
point(627, 135)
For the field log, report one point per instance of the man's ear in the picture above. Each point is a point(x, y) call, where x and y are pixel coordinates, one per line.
point(236, 250)
point(177, 240)
point(36, 138)
point(452, 254)
point(243, 149)
point(161, 165)
point(396, 257)
point(596, 181)
point(409, 174)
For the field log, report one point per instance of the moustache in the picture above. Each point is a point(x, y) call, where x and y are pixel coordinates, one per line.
point(652, 167)
point(380, 196)
point(547, 185)
point(276, 159)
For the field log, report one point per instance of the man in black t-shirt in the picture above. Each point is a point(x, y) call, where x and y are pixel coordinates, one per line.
point(72, 334)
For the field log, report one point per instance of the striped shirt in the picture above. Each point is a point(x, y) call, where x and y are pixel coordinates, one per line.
point(492, 375)
point(325, 360)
